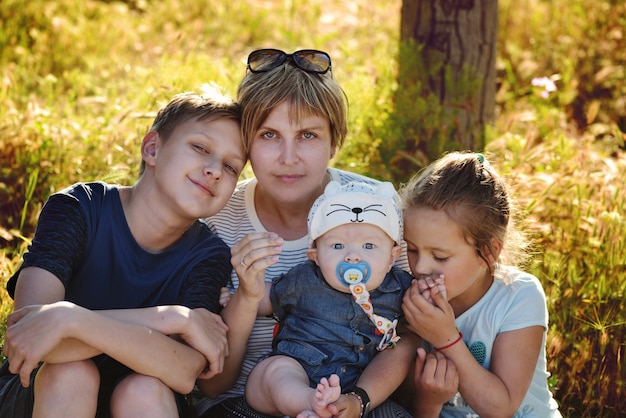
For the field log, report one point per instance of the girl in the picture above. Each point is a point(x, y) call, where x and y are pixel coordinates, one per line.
point(488, 333)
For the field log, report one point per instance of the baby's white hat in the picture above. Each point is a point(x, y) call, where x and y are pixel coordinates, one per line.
point(356, 202)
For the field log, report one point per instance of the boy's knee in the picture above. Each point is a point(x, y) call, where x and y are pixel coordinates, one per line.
point(66, 389)
point(72, 376)
point(141, 393)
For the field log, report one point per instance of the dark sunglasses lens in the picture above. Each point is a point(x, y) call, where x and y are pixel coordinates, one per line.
point(312, 61)
point(265, 60)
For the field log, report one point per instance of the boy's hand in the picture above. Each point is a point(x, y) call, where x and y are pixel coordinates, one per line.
point(207, 334)
point(33, 332)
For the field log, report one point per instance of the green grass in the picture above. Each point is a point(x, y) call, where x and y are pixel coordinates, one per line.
point(80, 82)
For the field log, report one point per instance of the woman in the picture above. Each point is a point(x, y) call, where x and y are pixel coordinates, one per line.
point(294, 121)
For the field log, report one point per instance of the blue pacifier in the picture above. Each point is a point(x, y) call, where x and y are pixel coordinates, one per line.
point(353, 273)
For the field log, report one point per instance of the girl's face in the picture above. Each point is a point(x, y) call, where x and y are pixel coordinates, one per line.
point(290, 157)
point(354, 243)
point(436, 245)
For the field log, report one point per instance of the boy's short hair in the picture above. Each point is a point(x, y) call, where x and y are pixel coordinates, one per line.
point(210, 103)
point(356, 202)
point(306, 93)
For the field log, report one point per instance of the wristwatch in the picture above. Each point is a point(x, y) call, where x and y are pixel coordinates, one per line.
point(361, 395)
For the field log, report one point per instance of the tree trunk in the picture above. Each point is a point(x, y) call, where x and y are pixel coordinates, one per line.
point(458, 40)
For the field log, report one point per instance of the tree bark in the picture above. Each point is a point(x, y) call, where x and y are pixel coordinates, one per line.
point(458, 40)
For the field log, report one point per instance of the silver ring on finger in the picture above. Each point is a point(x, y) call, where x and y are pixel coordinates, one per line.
point(242, 262)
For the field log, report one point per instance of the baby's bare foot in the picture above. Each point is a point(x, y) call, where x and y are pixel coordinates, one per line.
point(327, 392)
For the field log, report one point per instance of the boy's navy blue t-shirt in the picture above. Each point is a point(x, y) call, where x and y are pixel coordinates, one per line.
point(83, 238)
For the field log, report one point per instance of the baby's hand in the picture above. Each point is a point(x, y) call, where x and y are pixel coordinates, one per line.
point(427, 283)
point(224, 297)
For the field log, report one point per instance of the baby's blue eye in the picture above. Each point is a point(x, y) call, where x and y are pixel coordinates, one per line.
point(368, 246)
point(338, 246)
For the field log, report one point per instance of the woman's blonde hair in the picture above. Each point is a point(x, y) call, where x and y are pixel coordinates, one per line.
point(307, 94)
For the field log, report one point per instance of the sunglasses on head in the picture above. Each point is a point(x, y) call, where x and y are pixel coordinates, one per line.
point(309, 60)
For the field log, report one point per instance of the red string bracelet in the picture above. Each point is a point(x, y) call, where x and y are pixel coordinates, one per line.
point(452, 343)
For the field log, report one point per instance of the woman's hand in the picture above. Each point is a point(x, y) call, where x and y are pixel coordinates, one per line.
point(347, 406)
point(250, 257)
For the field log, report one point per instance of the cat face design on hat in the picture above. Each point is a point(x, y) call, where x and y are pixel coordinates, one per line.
point(356, 202)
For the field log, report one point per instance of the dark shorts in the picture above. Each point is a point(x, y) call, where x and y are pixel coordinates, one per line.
point(16, 401)
point(239, 408)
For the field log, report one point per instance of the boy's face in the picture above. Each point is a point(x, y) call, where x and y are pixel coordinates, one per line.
point(197, 168)
point(355, 243)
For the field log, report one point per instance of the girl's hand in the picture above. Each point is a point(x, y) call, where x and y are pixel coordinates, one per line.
point(250, 257)
point(436, 381)
point(428, 283)
point(434, 323)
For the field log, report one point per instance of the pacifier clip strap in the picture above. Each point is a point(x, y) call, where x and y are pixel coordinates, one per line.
point(386, 327)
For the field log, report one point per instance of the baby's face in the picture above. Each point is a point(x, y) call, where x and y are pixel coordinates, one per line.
point(353, 243)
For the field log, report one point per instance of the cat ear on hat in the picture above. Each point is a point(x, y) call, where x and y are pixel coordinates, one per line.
point(332, 188)
point(386, 190)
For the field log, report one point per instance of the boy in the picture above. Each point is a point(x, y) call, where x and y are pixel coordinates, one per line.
point(114, 271)
point(337, 310)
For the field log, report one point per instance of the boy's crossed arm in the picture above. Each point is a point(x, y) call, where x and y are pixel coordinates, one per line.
point(59, 332)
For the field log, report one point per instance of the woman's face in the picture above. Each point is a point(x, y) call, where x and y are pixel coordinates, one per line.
point(290, 157)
